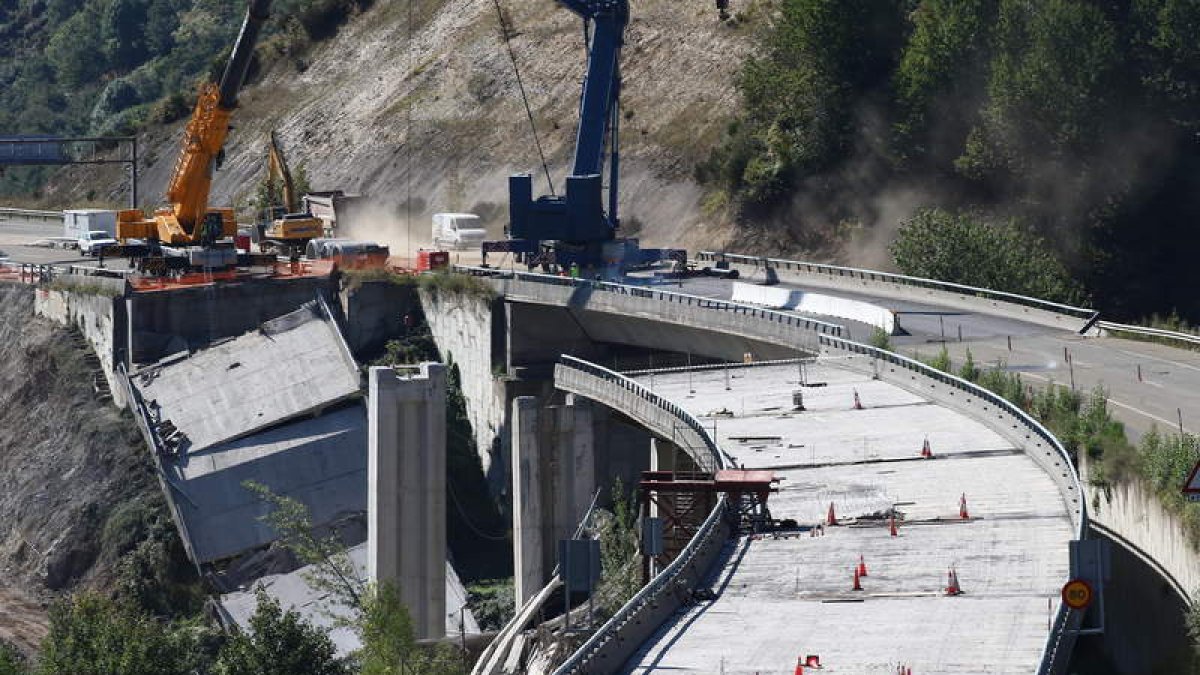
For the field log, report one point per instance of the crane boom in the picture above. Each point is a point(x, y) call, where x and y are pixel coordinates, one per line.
point(188, 219)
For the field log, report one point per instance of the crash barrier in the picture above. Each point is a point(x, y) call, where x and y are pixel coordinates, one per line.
point(971, 298)
point(1174, 338)
point(30, 214)
point(695, 311)
point(1038, 443)
point(614, 642)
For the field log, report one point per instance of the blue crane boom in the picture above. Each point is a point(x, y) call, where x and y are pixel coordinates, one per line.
point(577, 221)
point(575, 227)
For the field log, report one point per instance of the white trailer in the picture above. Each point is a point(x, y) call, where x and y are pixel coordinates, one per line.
point(77, 223)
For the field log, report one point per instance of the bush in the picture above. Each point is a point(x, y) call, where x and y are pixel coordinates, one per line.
point(279, 643)
point(963, 248)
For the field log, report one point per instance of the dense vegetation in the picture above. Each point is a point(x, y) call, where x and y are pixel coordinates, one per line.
point(109, 66)
point(1073, 119)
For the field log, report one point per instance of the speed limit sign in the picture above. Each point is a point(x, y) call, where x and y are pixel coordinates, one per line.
point(1077, 594)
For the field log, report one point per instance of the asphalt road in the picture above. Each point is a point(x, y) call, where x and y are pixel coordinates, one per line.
point(17, 237)
point(1170, 377)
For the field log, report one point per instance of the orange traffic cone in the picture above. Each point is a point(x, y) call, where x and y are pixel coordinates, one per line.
point(857, 401)
point(952, 587)
point(812, 660)
point(857, 582)
point(892, 525)
point(799, 665)
point(926, 451)
point(962, 508)
point(831, 519)
point(862, 566)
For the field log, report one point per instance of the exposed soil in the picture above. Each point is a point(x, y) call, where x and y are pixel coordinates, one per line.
point(441, 116)
point(67, 460)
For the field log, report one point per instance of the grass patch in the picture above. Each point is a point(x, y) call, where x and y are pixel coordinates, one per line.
point(354, 278)
point(84, 288)
point(452, 283)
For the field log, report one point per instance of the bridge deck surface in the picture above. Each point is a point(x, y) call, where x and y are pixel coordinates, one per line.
point(779, 599)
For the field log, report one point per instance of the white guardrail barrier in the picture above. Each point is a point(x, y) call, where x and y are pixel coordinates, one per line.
point(1078, 319)
point(29, 214)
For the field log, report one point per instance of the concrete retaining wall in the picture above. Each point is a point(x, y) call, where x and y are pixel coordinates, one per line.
point(101, 320)
point(465, 325)
point(1133, 512)
point(374, 312)
point(165, 322)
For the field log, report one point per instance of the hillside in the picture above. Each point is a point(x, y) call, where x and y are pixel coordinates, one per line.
point(342, 110)
point(80, 498)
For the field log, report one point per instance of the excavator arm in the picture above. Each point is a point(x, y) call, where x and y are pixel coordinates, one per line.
point(277, 169)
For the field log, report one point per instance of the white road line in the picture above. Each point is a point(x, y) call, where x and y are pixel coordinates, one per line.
point(1171, 424)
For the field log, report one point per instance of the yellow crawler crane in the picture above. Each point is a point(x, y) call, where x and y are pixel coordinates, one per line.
point(188, 220)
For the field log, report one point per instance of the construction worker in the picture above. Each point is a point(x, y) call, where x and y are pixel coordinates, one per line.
point(574, 270)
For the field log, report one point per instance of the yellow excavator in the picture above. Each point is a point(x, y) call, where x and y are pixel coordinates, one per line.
point(188, 221)
point(286, 231)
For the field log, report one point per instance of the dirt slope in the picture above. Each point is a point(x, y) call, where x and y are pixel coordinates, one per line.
point(346, 117)
point(66, 462)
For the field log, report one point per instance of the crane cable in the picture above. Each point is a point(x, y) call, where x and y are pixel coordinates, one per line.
point(524, 98)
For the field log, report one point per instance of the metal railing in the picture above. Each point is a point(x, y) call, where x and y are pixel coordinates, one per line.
point(1190, 340)
point(29, 214)
point(1054, 655)
point(684, 299)
point(665, 581)
point(835, 271)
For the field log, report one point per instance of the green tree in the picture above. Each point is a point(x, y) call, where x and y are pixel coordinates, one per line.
point(620, 576)
point(279, 643)
point(92, 635)
point(333, 572)
point(12, 661)
point(940, 79)
point(388, 644)
point(76, 50)
point(125, 32)
point(963, 248)
point(799, 97)
point(1049, 93)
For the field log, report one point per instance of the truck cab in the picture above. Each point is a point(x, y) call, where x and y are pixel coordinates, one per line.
point(94, 241)
point(457, 230)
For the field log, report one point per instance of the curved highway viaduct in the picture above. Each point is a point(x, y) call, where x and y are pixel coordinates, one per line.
point(1043, 343)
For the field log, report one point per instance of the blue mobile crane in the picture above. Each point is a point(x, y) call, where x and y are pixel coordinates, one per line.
point(574, 228)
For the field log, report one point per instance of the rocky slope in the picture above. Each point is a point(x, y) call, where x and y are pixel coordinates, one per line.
point(67, 463)
point(440, 117)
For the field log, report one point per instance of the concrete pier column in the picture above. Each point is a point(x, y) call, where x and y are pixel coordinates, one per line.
point(406, 507)
point(528, 546)
point(575, 459)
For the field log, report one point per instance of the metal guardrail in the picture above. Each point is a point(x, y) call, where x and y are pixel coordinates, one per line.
point(1054, 656)
point(898, 279)
point(699, 301)
point(1191, 340)
point(29, 214)
point(664, 582)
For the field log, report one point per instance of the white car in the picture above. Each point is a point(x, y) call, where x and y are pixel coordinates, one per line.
point(91, 243)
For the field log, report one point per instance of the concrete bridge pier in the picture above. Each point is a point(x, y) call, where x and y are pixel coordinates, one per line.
point(554, 478)
point(406, 501)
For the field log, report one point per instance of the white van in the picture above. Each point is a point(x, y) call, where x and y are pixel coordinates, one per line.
point(457, 230)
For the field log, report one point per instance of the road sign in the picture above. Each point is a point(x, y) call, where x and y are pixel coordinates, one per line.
point(1077, 594)
point(1191, 489)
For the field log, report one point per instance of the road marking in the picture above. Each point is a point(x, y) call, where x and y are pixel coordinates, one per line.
point(1172, 424)
point(1137, 355)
